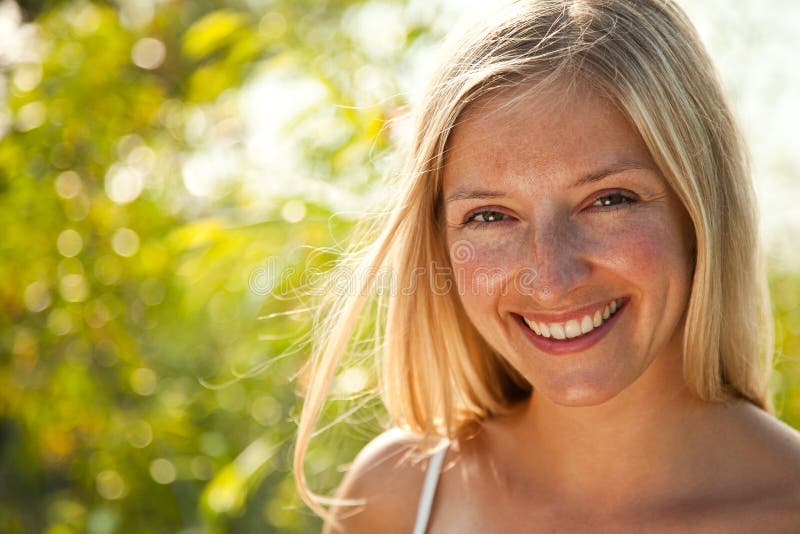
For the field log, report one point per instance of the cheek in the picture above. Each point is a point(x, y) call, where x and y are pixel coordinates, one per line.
point(636, 248)
point(481, 268)
point(662, 247)
point(654, 253)
point(484, 266)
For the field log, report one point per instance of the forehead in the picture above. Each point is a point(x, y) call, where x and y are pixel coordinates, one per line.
point(540, 135)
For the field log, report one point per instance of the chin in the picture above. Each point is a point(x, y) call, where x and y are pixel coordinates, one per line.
point(578, 394)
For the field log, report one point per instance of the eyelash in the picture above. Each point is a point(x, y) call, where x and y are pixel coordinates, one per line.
point(470, 220)
point(625, 200)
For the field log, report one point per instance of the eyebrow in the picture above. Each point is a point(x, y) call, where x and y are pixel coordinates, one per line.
point(622, 166)
point(615, 168)
point(462, 194)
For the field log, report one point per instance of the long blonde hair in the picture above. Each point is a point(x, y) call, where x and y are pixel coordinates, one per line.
point(438, 374)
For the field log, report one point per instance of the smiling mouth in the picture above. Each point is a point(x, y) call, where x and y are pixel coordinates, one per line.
point(575, 328)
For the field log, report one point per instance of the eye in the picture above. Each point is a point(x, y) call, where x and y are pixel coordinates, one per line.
point(616, 199)
point(485, 217)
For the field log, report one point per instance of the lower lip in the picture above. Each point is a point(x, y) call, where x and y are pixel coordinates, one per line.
point(569, 346)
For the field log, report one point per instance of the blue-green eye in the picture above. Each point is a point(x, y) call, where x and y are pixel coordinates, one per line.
point(614, 199)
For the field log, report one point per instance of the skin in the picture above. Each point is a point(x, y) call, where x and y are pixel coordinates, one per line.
point(611, 440)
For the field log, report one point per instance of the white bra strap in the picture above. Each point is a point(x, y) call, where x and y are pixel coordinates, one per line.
point(429, 489)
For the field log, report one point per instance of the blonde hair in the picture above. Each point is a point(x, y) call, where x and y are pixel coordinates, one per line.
point(438, 374)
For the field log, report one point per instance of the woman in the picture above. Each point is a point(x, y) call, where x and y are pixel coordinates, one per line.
point(598, 354)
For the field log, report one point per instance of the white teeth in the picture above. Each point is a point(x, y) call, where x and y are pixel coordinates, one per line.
point(572, 328)
point(558, 331)
point(545, 329)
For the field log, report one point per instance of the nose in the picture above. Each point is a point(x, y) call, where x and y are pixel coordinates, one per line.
point(556, 263)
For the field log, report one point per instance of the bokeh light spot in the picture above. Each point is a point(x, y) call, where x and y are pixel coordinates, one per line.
point(110, 485)
point(78, 209)
point(196, 125)
point(143, 158)
point(31, 116)
point(273, 25)
point(27, 77)
point(148, 53)
point(293, 211)
point(139, 434)
point(25, 350)
point(97, 314)
point(136, 14)
point(59, 322)
point(205, 174)
point(87, 21)
point(73, 288)
point(69, 243)
point(101, 521)
point(144, 381)
point(68, 184)
point(163, 471)
point(351, 381)
point(124, 184)
point(37, 296)
point(125, 242)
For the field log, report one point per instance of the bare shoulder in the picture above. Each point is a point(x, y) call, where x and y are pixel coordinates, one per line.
point(778, 442)
point(385, 480)
point(769, 451)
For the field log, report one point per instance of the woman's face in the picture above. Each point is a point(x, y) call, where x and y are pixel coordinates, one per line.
point(571, 253)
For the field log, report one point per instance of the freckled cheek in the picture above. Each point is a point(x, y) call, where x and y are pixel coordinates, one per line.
point(642, 251)
point(486, 264)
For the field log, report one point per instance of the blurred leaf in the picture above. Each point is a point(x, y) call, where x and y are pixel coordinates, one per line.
point(211, 33)
point(228, 491)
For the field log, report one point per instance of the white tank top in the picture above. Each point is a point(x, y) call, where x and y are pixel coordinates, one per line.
point(429, 488)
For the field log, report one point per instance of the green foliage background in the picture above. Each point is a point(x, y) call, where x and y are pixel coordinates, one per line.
point(146, 376)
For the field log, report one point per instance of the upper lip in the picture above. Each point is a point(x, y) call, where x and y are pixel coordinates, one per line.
point(577, 314)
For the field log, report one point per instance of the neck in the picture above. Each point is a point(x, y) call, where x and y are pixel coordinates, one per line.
point(644, 437)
